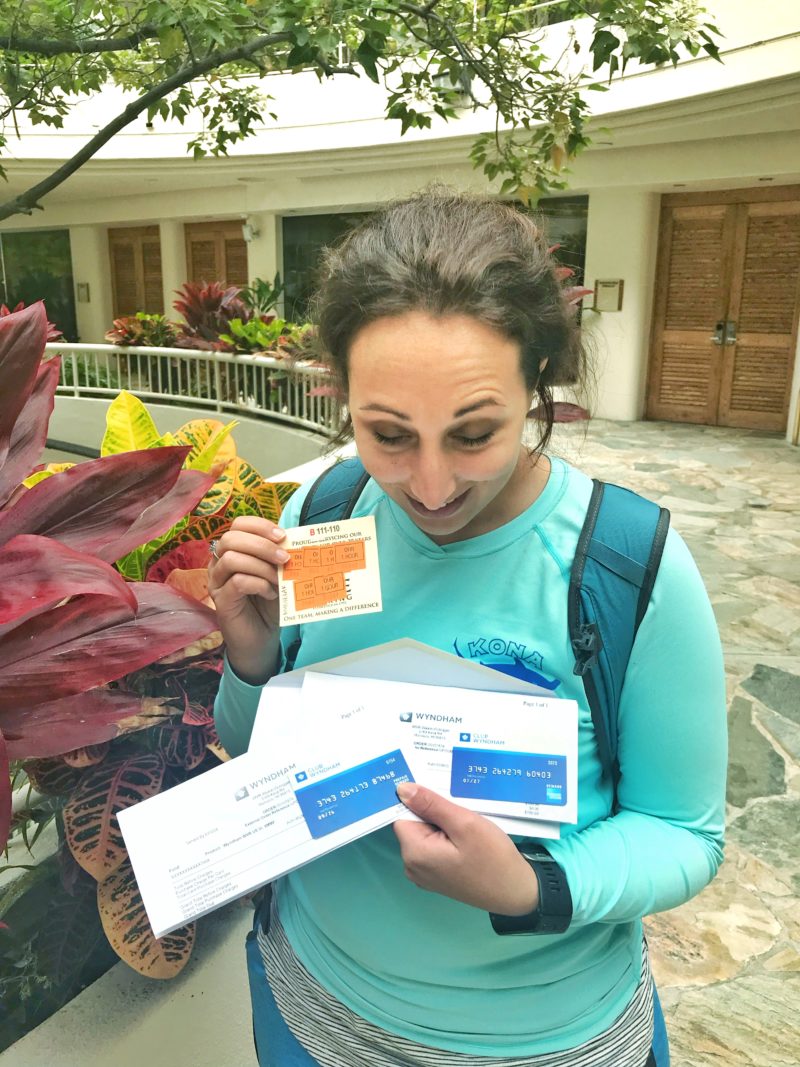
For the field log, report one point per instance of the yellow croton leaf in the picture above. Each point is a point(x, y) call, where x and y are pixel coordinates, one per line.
point(50, 469)
point(210, 442)
point(247, 477)
point(130, 427)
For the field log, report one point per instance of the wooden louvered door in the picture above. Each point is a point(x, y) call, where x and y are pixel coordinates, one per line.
point(763, 304)
point(216, 252)
point(136, 280)
point(726, 310)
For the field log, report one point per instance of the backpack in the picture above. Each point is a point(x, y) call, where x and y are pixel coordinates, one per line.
point(615, 566)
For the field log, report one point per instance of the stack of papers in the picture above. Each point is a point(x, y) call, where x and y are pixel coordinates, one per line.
point(329, 747)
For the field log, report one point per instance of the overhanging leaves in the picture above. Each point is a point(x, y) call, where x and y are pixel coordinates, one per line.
point(434, 59)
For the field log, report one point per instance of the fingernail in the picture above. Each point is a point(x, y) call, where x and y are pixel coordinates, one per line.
point(277, 533)
point(281, 556)
point(406, 791)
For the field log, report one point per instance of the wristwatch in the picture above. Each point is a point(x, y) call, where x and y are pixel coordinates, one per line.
point(553, 913)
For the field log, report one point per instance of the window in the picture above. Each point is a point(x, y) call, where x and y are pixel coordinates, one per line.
point(37, 265)
point(304, 237)
point(564, 220)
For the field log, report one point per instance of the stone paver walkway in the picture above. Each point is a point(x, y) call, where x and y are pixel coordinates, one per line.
point(728, 962)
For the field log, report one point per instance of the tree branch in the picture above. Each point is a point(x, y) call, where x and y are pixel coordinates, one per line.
point(34, 46)
point(26, 202)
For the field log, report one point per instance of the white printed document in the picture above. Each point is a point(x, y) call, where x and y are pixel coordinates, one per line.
point(231, 830)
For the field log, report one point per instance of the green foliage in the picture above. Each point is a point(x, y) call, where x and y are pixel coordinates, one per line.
point(182, 57)
point(154, 331)
point(262, 296)
point(259, 335)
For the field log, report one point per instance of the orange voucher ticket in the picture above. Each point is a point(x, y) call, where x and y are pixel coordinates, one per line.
point(332, 571)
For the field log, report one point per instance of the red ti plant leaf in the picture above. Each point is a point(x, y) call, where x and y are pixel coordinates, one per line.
point(90, 815)
point(190, 487)
point(22, 340)
point(58, 726)
point(93, 504)
point(37, 572)
point(93, 640)
point(5, 793)
point(29, 434)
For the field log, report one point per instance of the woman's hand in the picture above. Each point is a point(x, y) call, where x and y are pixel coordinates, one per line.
point(461, 855)
point(243, 583)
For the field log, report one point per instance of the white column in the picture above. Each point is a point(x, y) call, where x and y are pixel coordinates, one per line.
point(263, 250)
point(173, 261)
point(91, 274)
point(621, 243)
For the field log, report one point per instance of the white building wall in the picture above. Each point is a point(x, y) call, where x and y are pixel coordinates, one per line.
point(621, 244)
point(90, 266)
point(173, 260)
point(264, 251)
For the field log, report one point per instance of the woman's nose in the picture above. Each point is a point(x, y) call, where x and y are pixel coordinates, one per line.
point(432, 482)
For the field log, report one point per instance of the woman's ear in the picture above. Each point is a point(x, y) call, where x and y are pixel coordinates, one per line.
point(543, 363)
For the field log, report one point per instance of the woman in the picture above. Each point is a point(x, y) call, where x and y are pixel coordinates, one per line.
point(444, 323)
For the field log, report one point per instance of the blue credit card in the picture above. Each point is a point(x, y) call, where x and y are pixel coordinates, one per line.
point(332, 803)
point(517, 777)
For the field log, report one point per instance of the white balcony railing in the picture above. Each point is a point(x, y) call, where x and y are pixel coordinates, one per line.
point(255, 385)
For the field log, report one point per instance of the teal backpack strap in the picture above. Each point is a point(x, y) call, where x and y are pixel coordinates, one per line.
point(615, 566)
point(334, 494)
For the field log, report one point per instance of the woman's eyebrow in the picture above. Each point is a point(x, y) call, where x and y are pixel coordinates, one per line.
point(487, 402)
point(387, 410)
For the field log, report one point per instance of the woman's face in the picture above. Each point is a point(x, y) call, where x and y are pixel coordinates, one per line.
point(438, 408)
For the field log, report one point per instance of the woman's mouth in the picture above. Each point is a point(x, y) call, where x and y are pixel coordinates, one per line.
point(444, 512)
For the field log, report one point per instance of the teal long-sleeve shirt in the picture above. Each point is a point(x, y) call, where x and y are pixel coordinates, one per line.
point(430, 968)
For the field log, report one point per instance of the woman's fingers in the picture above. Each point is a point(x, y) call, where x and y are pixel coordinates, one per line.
point(249, 550)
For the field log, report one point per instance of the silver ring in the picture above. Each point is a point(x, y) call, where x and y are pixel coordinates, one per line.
point(213, 548)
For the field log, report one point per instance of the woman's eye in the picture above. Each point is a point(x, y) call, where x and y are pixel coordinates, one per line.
point(390, 439)
point(475, 442)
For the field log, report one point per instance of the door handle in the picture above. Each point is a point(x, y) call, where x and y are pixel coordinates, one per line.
point(724, 333)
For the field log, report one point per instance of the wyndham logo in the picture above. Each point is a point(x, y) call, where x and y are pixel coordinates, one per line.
point(509, 657)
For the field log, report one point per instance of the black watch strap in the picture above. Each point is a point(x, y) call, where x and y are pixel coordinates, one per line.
point(554, 911)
